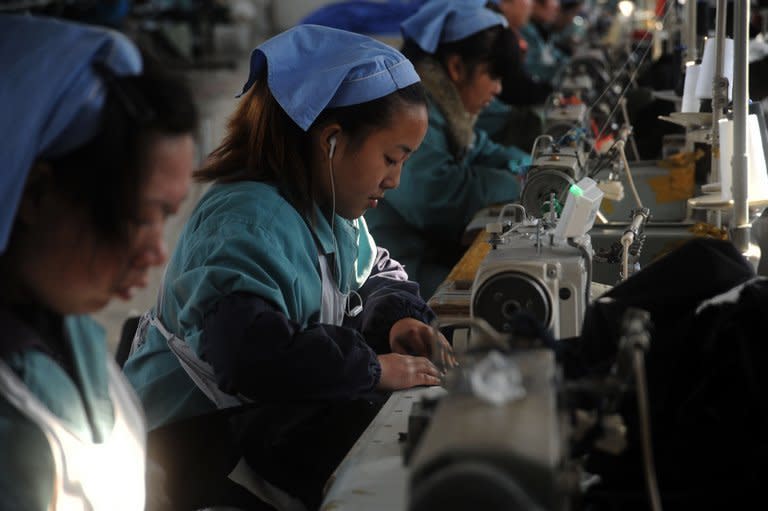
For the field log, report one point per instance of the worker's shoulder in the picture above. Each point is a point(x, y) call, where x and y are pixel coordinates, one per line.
point(254, 204)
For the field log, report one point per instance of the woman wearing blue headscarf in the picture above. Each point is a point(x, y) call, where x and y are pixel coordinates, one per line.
point(459, 49)
point(277, 303)
point(95, 152)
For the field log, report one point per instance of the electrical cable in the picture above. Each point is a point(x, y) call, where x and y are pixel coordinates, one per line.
point(631, 81)
point(644, 413)
point(518, 207)
point(588, 257)
point(348, 310)
point(620, 145)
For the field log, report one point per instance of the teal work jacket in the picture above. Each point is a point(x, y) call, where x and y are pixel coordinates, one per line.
point(422, 221)
point(543, 59)
point(241, 237)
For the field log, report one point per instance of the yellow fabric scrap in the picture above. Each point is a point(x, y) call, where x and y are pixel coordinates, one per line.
point(678, 184)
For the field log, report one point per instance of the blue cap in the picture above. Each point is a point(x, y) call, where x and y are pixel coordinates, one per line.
point(50, 96)
point(311, 68)
point(445, 21)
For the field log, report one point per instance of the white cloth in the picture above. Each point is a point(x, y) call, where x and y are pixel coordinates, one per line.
point(107, 476)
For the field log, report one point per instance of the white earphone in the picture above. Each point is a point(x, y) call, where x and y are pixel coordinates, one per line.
point(348, 309)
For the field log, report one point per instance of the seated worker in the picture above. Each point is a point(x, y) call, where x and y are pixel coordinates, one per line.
point(517, 86)
point(458, 49)
point(276, 294)
point(97, 150)
point(509, 118)
point(568, 30)
point(543, 59)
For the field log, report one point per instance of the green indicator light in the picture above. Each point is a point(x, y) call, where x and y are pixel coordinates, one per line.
point(574, 189)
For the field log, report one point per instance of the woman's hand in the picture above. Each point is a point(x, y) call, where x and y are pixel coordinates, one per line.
point(406, 371)
point(410, 336)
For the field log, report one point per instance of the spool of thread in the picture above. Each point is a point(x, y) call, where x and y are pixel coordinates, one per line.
point(758, 174)
point(690, 101)
point(707, 72)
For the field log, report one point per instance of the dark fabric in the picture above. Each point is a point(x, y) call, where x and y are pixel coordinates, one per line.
point(31, 327)
point(648, 129)
point(17, 336)
point(196, 456)
point(758, 83)
point(298, 446)
point(705, 380)
point(294, 446)
point(388, 296)
point(256, 351)
point(544, 31)
point(127, 332)
point(670, 289)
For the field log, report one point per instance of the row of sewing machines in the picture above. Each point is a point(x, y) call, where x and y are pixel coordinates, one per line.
point(508, 431)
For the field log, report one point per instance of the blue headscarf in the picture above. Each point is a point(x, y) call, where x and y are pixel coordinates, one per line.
point(50, 96)
point(311, 68)
point(365, 16)
point(445, 21)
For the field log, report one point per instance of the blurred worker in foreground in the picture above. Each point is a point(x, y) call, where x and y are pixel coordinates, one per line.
point(97, 151)
point(277, 306)
point(459, 49)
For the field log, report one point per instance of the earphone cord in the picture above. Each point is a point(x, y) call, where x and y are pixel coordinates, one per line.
point(333, 199)
point(347, 307)
point(333, 220)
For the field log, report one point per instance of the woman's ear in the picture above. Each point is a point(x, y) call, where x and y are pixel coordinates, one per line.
point(35, 190)
point(455, 67)
point(329, 139)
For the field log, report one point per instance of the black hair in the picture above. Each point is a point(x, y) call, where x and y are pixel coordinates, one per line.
point(105, 174)
point(359, 121)
point(494, 46)
point(264, 144)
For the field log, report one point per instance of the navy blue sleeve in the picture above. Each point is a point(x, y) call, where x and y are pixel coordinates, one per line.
point(388, 296)
point(256, 351)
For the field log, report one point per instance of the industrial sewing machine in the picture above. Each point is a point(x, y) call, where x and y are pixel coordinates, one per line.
point(557, 164)
point(541, 266)
point(511, 433)
point(508, 432)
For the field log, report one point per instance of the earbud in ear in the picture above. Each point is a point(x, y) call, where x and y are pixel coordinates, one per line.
point(332, 142)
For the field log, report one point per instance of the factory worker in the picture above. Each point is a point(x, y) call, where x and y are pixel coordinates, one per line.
point(97, 149)
point(543, 59)
point(276, 292)
point(568, 29)
point(458, 49)
point(517, 86)
point(510, 118)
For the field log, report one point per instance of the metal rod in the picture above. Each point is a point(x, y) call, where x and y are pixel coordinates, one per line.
point(691, 50)
point(740, 163)
point(717, 88)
